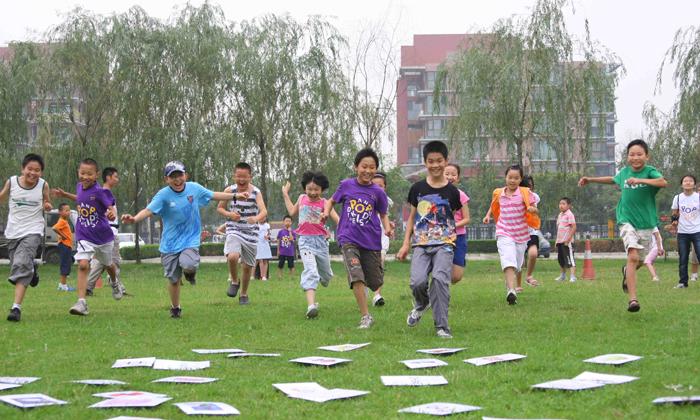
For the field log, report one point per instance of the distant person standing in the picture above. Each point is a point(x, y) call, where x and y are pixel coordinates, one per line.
point(65, 246)
point(685, 216)
point(286, 239)
point(264, 253)
point(566, 229)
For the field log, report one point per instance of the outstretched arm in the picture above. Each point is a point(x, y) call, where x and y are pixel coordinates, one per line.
point(143, 214)
point(596, 180)
point(292, 208)
point(57, 192)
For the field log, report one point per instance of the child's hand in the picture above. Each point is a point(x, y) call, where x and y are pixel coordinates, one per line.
point(633, 181)
point(251, 220)
point(403, 252)
point(57, 192)
point(242, 195)
point(532, 209)
point(661, 251)
point(127, 218)
point(47, 206)
point(393, 230)
point(583, 181)
point(286, 187)
point(324, 217)
point(234, 216)
point(110, 215)
point(390, 232)
point(486, 220)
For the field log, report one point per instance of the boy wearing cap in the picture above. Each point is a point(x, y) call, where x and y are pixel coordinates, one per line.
point(178, 206)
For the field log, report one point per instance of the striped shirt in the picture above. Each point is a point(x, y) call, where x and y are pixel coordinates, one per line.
point(511, 222)
point(246, 208)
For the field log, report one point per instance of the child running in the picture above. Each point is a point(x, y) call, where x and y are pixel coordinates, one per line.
point(514, 209)
point(566, 229)
point(533, 245)
point(380, 179)
point(311, 232)
point(453, 174)
point(359, 231)
point(29, 198)
point(636, 211)
point(65, 246)
point(656, 248)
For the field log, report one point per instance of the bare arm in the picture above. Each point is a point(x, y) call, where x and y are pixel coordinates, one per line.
point(403, 252)
point(221, 208)
point(5, 190)
point(46, 192)
point(487, 218)
point(596, 180)
point(292, 208)
point(327, 210)
point(465, 216)
point(262, 211)
point(65, 194)
point(388, 229)
point(656, 182)
point(572, 234)
point(143, 214)
point(58, 232)
point(334, 216)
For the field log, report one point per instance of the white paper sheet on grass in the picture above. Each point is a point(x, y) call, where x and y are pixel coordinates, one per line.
point(165, 364)
point(312, 391)
point(146, 401)
point(234, 355)
point(412, 380)
point(513, 418)
point(30, 400)
point(217, 351)
point(613, 359)
point(439, 409)
point(9, 386)
point(201, 408)
point(694, 399)
point(99, 382)
point(569, 385)
point(604, 378)
point(128, 394)
point(507, 357)
point(137, 362)
point(442, 350)
point(133, 418)
point(187, 380)
point(320, 361)
point(18, 380)
point(423, 363)
point(344, 347)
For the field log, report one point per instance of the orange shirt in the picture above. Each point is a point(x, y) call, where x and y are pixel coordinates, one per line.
point(63, 227)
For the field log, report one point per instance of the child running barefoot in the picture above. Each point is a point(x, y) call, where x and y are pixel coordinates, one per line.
point(656, 248)
point(452, 173)
point(636, 211)
point(311, 232)
point(359, 231)
point(514, 209)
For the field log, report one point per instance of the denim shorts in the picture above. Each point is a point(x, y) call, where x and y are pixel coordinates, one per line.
point(460, 257)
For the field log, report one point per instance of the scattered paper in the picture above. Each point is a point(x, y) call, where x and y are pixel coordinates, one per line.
point(217, 351)
point(100, 382)
point(30, 400)
point(164, 364)
point(320, 361)
point(299, 387)
point(312, 391)
point(613, 359)
point(187, 380)
point(439, 409)
point(18, 380)
point(407, 380)
point(423, 363)
point(481, 361)
point(604, 378)
point(145, 401)
point(569, 385)
point(139, 362)
point(9, 386)
point(344, 347)
point(504, 418)
point(132, 418)
point(441, 351)
point(254, 355)
point(207, 409)
point(128, 394)
point(695, 399)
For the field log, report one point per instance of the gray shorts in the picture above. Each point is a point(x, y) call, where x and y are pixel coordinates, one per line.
point(247, 250)
point(176, 262)
point(22, 252)
point(364, 266)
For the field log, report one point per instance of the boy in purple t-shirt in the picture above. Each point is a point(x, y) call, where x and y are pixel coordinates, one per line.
point(359, 231)
point(286, 238)
point(93, 234)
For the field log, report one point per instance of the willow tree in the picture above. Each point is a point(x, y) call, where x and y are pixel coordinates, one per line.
point(525, 80)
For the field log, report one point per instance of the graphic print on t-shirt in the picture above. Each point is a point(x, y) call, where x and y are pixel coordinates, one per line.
point(359, 211)
point(434, 224)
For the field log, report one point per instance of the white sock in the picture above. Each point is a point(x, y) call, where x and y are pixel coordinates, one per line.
point(82, 300)
point(17, 305)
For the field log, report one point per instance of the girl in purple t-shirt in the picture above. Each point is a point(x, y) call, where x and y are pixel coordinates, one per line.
point(312, 235)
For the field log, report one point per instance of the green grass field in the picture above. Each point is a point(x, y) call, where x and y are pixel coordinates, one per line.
point(555, 325)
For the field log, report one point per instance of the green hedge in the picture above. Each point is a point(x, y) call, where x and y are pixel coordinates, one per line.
point(208, 249)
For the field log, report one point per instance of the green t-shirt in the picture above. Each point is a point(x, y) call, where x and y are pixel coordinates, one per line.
point(637, 205)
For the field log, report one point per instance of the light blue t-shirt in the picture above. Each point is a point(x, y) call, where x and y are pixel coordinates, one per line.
point(182, 225)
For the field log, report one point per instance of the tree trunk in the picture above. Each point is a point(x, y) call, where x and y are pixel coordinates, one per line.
point(263, 169)
point(137, 181)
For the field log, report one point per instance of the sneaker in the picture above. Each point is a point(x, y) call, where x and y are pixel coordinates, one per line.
point(62, 287)
point(35, 277)
point(243, 300)
point(14, 315)
point(694, 277)
point(656, 279)
point(443, 333)
point(264, 279)
point(633, 306)
point(561, 277)
point(80, 308)
point(232, 289)
point(190, 277)
point(512, 297)
point(681, 286)
point(312, 311)
point(116, 290)
point(624, 278)
point(365, 322)
point(175, 312)
point(414, 317)
point(378, 300)
point(573, 279)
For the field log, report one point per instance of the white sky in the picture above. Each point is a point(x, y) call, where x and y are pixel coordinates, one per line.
point(638, 31)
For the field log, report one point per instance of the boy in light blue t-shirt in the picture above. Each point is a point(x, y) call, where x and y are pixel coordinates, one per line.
point(178, 206)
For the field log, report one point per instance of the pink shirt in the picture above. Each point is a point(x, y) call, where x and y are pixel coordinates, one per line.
point(511, 222)
point(565, 222)
point(310, 216)
point(464, 199)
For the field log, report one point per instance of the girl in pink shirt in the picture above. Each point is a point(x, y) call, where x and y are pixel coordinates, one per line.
point(453, 173)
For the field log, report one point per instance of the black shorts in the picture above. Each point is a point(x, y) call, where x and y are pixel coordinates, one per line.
point(565, 256)
point(534, 240)
point(283, 258)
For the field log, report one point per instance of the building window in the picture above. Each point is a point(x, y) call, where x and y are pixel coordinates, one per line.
point(412, 90)
point(542, 150)
point(430, 80)
point(610, 129)
point(435, 129)
point(414, 110)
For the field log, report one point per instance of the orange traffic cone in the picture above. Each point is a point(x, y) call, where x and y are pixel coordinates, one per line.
point(588, 271)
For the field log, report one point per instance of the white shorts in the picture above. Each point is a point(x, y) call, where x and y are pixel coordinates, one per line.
point(512, 254)
point(86, 250)
point(246, 250)
point(639, 239)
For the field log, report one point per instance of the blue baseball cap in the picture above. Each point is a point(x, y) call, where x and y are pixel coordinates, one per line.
point(174, 166)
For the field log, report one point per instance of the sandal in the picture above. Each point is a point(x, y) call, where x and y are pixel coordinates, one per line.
point(532, 282)
point(518, 289)
point(633, 306)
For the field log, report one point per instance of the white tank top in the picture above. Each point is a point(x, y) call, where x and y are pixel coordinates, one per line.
point(26, 206)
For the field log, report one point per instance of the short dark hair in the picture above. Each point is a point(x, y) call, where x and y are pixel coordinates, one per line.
point(366, 152)
point(33, 157)
point(317, 178)
point(567, 199)
point(515, 168)
point(638, 142)
point(244, 165)
point(381, 175)
point(435, 146)
point(90, 162)
point(286, 216)
point(107, 172)
point(695, 180)
point(62, 205)
point(528, 181)
point(454, 165)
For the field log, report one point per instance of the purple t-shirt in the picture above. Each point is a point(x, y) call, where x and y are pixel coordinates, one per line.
point(358, 225)
point(285, 240)
point(93, 225)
